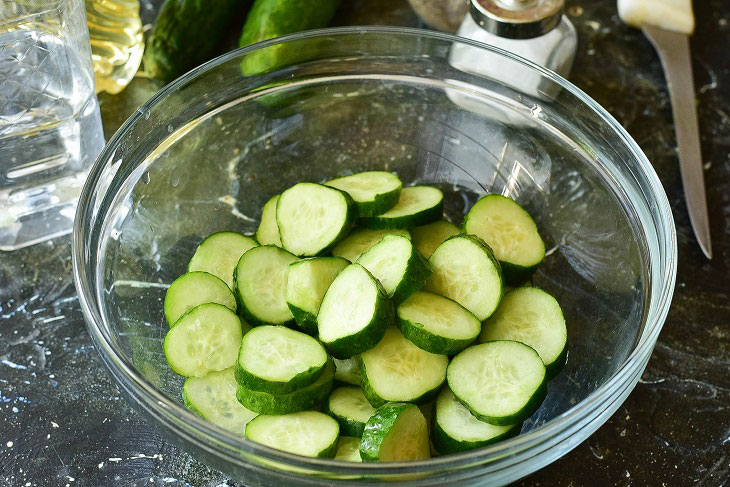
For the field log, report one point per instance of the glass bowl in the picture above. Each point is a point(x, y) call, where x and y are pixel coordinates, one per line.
point(205, 153)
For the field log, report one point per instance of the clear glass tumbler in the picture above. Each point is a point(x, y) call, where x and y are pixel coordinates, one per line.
point(50, 127)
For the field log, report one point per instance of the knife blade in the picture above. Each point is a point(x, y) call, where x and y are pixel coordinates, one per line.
point(668, 24)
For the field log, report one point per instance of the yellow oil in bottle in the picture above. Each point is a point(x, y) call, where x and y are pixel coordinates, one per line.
point(117, 43)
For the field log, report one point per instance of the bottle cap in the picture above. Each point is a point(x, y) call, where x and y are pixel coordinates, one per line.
point(517, 19)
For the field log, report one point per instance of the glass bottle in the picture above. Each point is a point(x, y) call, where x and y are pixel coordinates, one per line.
point(117, 43)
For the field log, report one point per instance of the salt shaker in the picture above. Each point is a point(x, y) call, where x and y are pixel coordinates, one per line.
point(533, 29)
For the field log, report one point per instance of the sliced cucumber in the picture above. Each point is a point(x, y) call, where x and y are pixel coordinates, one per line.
point(348, 449)
point(307, 283)
point(354, 314)
point(533, 317)
point(279, 360)
point(465, 270)
point(397, 370)
point(193, 289)
point(397, 265)
point(360, 240)
point(437, 324)
point(511, 233)
point(428, 237)
point(268, 231)
point(219, 253)
point(417, 205)
point(349, 406)
point(213, 397)
point(455, 429)
point(261, 277)
point(307, 433)
point(313, 218)
point(348, 371)
point(501, 382)
point(374, 192)
point(397, 432)
point(203, 340)
point(312, 396)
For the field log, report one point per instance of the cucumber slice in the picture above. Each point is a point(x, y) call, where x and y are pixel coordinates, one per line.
point(501, 382)
point(354, 314)
point(219, 253)
point(511, 233)
point(374, 192)
point(437, 324)
point(397, 432)
point(533, 317)
point(307, 283)
point(213, 397)
point(348, 449)
point(397, 265)
point(456, 430)
point(193, 289)
point(313, 218)
point(349, 406)
point(278, 360)
point(268, 231)
point(203, 340)
point(428, 237)
point(465, 270)
point(397, 370)
point(312, 396)
point(348, 371)
point(417, 205)
point(260, 279)
point(307, 433)
point(360, 240)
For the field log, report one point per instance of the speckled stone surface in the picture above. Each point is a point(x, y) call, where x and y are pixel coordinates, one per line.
point(63, 422)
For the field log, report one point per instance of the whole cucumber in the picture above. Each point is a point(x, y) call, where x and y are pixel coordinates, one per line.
point(272, 18)
point(188, 33)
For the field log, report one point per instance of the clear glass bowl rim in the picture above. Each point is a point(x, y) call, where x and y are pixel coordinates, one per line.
point(174, 415)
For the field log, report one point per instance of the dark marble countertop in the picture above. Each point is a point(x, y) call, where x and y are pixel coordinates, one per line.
point(63, 422)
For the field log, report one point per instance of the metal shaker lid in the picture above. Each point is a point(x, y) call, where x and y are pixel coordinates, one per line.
point(517, 19)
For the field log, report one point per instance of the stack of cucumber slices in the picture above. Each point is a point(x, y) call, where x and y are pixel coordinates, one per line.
point(356, 308)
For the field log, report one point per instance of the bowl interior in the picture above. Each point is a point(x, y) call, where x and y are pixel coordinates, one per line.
point(206, 156)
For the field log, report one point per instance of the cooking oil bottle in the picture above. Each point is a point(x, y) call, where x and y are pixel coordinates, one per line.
point(117, 43)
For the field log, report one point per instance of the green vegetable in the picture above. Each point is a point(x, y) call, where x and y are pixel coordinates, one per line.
point(396, 432)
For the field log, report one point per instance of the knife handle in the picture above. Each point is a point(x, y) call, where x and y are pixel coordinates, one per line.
point(673, 15)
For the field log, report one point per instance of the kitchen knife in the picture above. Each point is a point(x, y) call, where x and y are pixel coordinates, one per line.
point(668, 25)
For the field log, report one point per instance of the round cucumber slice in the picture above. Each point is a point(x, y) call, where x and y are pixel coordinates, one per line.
point(268, 231)
point(397, 265)
point(261, 277)
point(417, 205)
point(397, 370)
point(465, 270)
point(533, 317)
point(511, 233)
point(374, 192)
point(219, 253)
point(427, 238)
point(397, 432)
point(354, 314)
point(349, 406)
point(309, 397)
point(213, 397)
point(501, 382)
point(307, 433)
point(306, 286)
point(193, 289)
point(203, 340)
point(359, 241)
point(312, 218)
point(437, 324)
point(455, 429)
point(278, 360)
point(348, 449)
